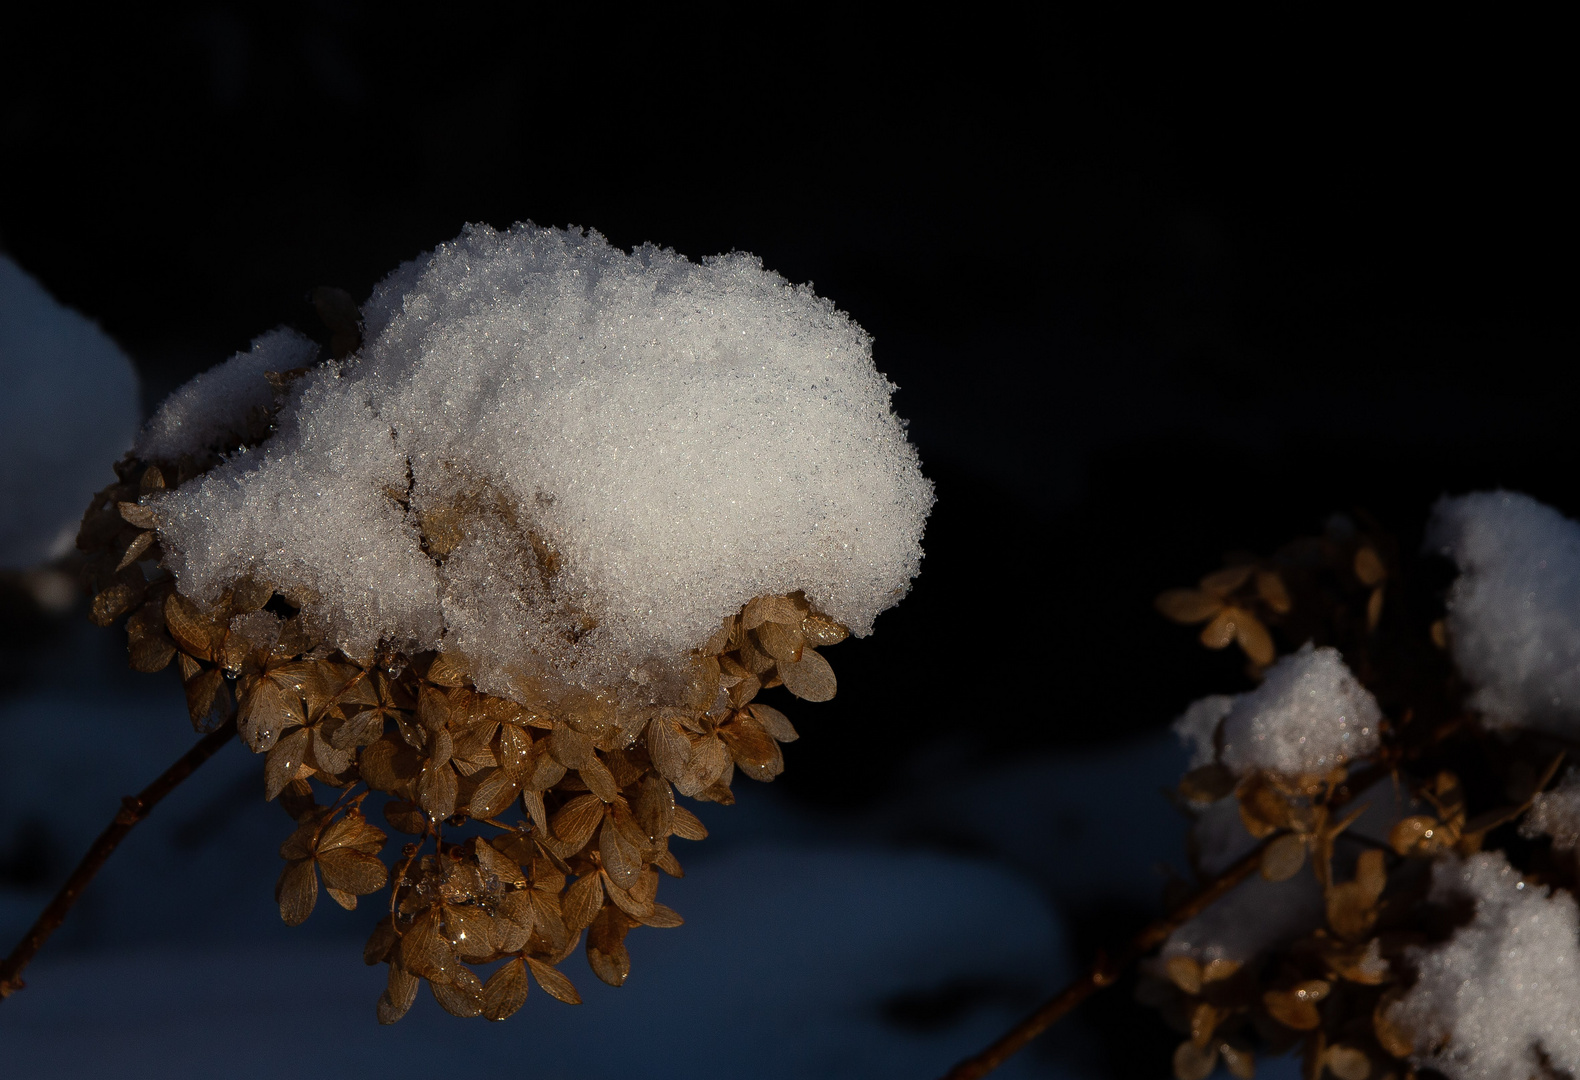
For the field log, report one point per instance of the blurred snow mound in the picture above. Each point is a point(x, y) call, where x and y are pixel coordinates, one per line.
point(69, 409)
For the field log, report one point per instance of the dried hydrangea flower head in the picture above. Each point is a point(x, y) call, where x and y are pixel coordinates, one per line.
point(528, 546)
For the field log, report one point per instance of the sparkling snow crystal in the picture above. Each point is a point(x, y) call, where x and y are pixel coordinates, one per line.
point(1514, 611)
point(560, 460)
point(1500, 996)
point(1308, 716)
point(215, 410)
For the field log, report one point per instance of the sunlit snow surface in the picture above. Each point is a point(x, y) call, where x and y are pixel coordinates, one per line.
point(68, 410)
point(1514, 610)
point(680, 436)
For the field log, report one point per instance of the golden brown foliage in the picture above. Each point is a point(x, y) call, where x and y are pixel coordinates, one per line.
point(594, 783)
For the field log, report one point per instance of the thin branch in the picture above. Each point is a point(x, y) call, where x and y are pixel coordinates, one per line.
point(1104, 971)
point(133, 809)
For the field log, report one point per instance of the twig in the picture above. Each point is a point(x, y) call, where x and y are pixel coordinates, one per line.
point(1105, 971)
point(133, 809)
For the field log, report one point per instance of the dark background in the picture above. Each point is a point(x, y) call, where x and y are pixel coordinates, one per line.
point(1150, 292)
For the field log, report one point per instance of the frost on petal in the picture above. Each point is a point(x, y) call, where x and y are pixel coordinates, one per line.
point(1497, 999)
point(1514, 610)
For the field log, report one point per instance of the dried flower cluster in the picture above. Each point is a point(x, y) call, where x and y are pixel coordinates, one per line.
point(593, 782)
point(1360, 921)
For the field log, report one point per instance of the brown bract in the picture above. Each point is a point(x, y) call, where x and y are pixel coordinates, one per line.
point(533, 822)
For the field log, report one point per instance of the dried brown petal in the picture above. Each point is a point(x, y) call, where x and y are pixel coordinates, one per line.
point(776, 723)
point(297, 891)
point(1392, 1037)
point(1187, 606)
point(471, 930)
point(668, 746)
point(822, 631)
point(770, 608)
point(287, 755)
point(266, 711)
point(570, 747)
point(437, 790)
point(1184, 972)
point(138, 515)
point(193, 630)
point(583, 900)
point(575, 822)
point(463, 996)
point(1220, 631)
point(1225, 581)
point(1207, 784)
point(425, 951)
point(352, 871)
point(810, 678)
point(1192, 1062)
point(347, 900)
point(553, 983)
point(663, 918)
point(495, 793)
point(1270, 587)
point(206, 695)
point(1219, 969)
point(1347, 1063)
point(382, 943)
point(1292, 1009)
point(1254, 639)
point(621, 859)
point(688, 826)
point(783, 643)
point(398, 995)
point(1369, 566)
point(1238, 1059)
point(596, 775)
point(1283, 858)
point(1374, 606)
point(1420, 834)
point(606, 952)
point(506, 990)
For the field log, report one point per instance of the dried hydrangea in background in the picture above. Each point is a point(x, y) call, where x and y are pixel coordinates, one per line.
point(515, 561)
point(1399, 885)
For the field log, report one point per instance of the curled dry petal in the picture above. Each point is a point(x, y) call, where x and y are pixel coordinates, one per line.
point(810, 678)
point(437, 789)
point(398, 995)
point(1369, 566)
point(575, 822)
point(1283, 858)
point(1192, 1062)
point(688, 826)
point(297, 891)
point(1291, 1009)
point(506, 990)
point(279, 768)
point(462, 996)
point(1254, 639)
point(668, 746)
point(583, 900)
point(1347, 1063)
point(352, 871)
point(553, 983)
point(1270, 587)
point(1187, 606)
point(1220, 631)
point(1225, 581)
point(1184, 972)
point(621, 859)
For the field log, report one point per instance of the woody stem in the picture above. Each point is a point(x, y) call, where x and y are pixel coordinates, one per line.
point(133, 809)
point(1104, 971)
